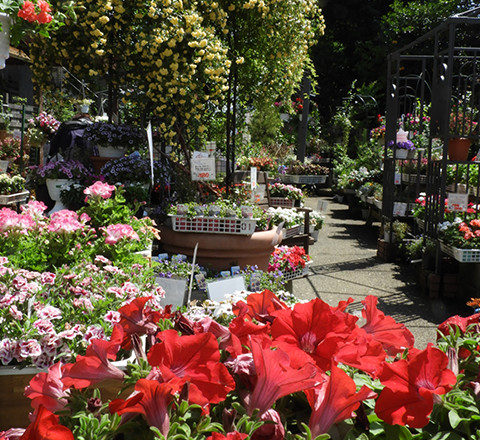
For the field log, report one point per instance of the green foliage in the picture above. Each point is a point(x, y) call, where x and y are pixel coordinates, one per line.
point(409, 20)
point(266, 124)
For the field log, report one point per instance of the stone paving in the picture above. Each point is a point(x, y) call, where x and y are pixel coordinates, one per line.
point(345, 264)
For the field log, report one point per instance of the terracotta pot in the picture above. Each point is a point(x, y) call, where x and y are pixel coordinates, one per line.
point(221, 251)
point(458, 149)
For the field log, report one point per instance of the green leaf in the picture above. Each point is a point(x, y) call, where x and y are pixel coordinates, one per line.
point(454, 418)
point(397, 432)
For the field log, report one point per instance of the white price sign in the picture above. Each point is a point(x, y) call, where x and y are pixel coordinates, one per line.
point(203, 168)
point(457, 202)
point(398, 178)
point(399, 209)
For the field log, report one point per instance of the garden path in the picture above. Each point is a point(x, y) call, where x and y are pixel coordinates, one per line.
point(345, 264)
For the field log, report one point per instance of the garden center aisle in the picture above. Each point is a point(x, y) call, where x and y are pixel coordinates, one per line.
point(345, 264)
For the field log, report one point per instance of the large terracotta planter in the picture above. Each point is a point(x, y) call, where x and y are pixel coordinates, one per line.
point(458, 149)
point(221, 251)
point(14, 406)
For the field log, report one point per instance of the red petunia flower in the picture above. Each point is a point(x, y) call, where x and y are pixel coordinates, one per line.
point(46, 427)
point(194, 359)
point(334, 400)
point(151, 398)
point(95, 366)
point(276, 377)
point(410, 384)
point(393, 336)
point(315, 328)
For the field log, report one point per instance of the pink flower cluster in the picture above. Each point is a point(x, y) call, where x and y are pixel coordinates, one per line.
point(40, 311)
point(29, 12)
point(115, 233)
point(44, 121)
point(100, 189)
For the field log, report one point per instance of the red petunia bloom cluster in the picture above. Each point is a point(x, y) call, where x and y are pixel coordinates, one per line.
point(268, 351)
point(36, 13)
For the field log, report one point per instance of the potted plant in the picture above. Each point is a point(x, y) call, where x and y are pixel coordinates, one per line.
point(114, 140)
point(56, 175)
point(403, 146)
point(41, 129)
point(285, 195)
point(11, 184)
point(83, 105)
point(291, 261)
point(462, 124)
point(396, 233)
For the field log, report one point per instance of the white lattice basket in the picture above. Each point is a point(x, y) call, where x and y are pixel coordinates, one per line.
point(14, 198)
point(291, 232)
point(299, 273)
point(214, 225)
point(281, 202)
point(304, 179)
point(461, 255)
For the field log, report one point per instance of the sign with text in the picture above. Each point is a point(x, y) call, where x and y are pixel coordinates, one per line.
point(457, 202)
point(399, 209)
point(203, 168)
point(398, 178)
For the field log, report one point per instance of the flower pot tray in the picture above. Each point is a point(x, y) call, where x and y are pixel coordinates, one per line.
point(214, 225)
point(281, 202)
point(461, 255)
point(11, 199)
point(303, 179)
point(299, 273)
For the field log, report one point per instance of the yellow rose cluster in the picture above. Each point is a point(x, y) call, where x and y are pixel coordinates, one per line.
point(173, 59)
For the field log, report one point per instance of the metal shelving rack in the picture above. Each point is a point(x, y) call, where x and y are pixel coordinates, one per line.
point(437, 70)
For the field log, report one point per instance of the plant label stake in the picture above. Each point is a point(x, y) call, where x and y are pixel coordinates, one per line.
point(191, 274)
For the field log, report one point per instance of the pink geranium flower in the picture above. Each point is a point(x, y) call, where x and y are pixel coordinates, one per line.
point(99, 189)
point(114, 233)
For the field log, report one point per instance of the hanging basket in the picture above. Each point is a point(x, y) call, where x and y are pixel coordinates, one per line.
point(458, 149)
